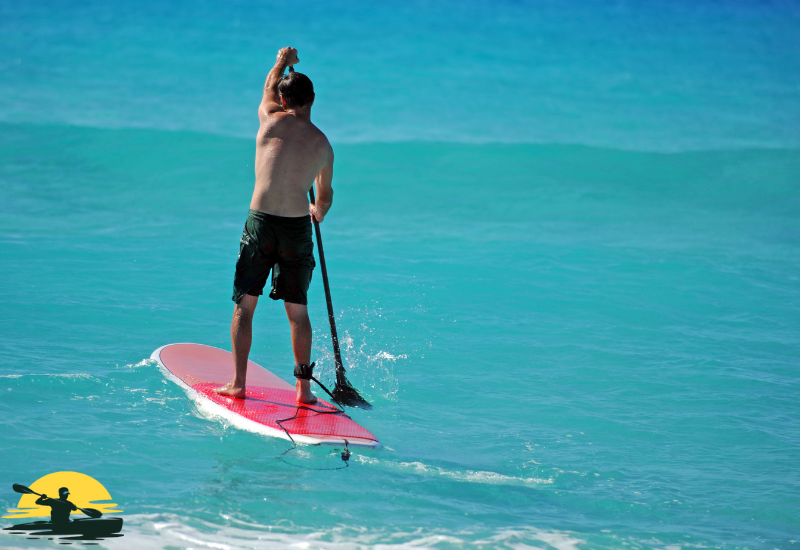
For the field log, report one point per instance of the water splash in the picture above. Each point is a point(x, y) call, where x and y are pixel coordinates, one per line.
point(367, 351)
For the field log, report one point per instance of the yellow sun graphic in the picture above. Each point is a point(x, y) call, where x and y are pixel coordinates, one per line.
point(84, 492)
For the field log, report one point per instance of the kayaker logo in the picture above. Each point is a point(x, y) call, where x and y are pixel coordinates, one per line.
point(60, 495)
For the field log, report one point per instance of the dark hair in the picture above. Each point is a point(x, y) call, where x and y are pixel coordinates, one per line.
point(296, 89)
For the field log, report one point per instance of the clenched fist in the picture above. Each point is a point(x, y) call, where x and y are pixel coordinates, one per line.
point(288, 55)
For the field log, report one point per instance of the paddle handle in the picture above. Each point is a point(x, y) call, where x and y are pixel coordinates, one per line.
point(336, 352)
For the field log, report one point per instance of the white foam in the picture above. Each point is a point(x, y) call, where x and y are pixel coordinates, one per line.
point(169, 531)
point(472, 476)
point(62, 375)
point(389, 356)
point(143, 363)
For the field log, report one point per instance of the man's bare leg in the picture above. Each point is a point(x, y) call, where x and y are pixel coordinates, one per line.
point(301, 346)
point(241, 339)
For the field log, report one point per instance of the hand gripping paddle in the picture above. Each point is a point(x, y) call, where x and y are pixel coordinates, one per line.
point(91, 512)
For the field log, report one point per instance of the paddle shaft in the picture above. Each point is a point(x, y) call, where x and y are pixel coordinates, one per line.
point(337, 354)
point(22, 489)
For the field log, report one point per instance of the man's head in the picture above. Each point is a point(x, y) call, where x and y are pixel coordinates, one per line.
point(296, 90)
point(63, 493)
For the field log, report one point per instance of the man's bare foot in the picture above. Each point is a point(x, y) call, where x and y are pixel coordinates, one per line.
point(229, 390)
point(304, 394)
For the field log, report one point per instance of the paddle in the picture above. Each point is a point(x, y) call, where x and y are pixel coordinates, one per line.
point(91, 512)
point(343, 392)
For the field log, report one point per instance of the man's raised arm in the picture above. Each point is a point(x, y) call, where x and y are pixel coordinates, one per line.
point(270, 101)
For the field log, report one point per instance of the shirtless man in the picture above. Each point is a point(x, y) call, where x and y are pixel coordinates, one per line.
point(60, 508)
point(291, 155)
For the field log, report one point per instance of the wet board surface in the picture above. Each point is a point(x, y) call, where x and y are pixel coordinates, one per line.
point(198, 369)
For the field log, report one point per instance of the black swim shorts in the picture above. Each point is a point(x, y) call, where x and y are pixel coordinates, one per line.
point(282, 245)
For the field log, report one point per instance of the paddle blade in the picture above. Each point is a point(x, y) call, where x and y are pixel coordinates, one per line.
point(22, 489)
point(347, 395)
point(91, 512)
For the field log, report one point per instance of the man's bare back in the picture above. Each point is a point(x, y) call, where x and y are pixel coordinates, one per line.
point(291, 155)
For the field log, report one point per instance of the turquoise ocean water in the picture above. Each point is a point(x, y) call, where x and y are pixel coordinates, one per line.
point(564, 254)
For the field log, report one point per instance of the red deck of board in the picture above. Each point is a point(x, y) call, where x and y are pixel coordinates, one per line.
point(265, 405)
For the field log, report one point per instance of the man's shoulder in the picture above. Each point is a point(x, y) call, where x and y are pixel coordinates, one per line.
point(323, 139)
point(271, 119)
point(312, 134)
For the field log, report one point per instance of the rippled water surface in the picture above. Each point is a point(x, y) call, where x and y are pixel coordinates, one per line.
point(585, 337)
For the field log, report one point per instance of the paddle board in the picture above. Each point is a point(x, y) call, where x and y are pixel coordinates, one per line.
point(198, 369)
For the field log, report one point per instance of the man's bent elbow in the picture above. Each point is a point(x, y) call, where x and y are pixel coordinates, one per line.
point(325, 197)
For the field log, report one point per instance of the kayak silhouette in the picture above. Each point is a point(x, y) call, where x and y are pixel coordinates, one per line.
point(88, 527)
point(60, 524)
